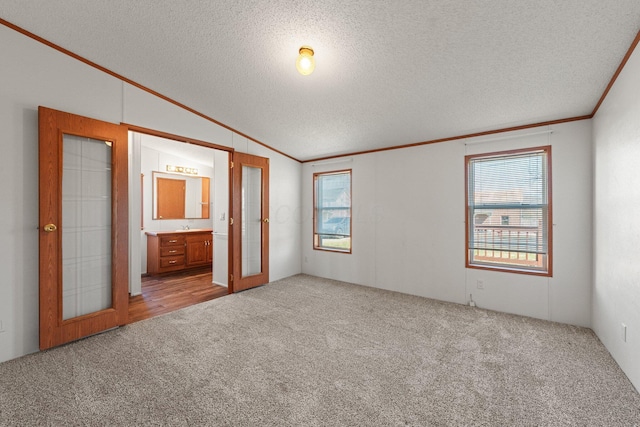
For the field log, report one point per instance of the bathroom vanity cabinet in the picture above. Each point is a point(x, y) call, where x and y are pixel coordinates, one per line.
point(170, 251)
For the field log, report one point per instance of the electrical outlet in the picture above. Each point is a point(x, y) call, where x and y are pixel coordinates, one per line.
point(624, 332)
point(480, 284)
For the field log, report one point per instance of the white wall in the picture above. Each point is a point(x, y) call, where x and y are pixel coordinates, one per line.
point(221, 219)
point(408, 226)
point(616, 294)
point(33, 74)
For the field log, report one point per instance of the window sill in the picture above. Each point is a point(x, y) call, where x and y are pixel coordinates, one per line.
point(504, 269)
point(339, 251)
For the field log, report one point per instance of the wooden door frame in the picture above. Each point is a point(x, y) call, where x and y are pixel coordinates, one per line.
point(230, 151)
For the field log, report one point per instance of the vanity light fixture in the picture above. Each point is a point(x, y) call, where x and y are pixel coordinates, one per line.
point(191, 171)
point(182, 169)
point(305, 63)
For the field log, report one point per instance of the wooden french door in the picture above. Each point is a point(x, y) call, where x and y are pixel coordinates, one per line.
point(83, 226)
point(250, 221)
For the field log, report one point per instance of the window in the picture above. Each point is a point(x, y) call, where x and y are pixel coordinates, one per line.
point(332, 211)
point(509, 211)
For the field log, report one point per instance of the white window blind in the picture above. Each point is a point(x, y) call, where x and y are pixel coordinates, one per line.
point(508, 210)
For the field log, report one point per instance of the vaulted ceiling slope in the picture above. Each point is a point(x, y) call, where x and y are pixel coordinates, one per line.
point(388, 73)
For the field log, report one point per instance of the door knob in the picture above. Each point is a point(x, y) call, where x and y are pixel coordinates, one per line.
point(50, 228)
point(265, 220)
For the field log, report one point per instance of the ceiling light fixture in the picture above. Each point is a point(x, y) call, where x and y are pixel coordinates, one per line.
point(305, 63)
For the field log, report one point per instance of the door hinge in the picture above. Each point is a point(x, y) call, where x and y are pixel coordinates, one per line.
point(230, 221)
point(231, 165)
point(231, 277)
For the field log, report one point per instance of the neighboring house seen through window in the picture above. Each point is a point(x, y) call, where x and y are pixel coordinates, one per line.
point(332, 211)
point(509, 211)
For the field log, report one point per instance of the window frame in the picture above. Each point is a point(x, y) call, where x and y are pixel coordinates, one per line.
point(469, 220)
point(317, 237)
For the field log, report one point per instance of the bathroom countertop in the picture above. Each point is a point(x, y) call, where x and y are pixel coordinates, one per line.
point(192, 230)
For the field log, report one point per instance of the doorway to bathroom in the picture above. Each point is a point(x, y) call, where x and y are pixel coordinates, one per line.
point(180, 236)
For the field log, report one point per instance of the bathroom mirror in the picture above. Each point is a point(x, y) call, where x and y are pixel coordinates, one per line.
point(178, 196)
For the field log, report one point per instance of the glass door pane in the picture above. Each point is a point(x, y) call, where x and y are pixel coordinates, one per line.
point(86, 226)
point(251, 221)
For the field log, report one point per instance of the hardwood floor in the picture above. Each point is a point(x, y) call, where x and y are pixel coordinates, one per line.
point(164, 294)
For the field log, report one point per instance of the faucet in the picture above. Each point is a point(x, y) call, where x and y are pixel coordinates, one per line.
point(185, 227)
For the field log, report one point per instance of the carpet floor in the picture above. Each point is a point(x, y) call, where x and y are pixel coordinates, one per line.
point(305, 351)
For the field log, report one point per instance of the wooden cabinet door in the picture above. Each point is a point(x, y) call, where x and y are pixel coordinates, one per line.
point(83, 227)
point(197, 250)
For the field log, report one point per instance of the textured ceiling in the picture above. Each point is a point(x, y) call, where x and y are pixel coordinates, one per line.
point(388, 72)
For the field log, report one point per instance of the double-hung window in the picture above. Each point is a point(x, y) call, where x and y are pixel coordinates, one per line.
point(508, 213)
point(332, 211)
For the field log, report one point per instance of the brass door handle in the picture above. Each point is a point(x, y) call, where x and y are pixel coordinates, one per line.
point(266, 220)
point(50, 228)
